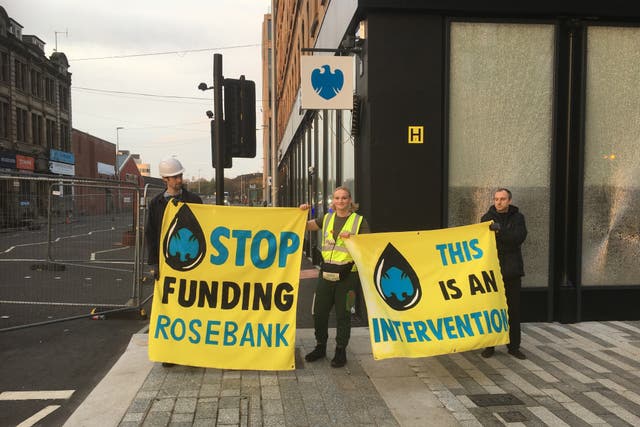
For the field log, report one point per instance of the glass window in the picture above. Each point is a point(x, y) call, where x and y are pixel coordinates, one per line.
point(299, 176)
point(331, 153)
point(500, 128)
point(348, 154)
point(20, 75)
point(304, 142)
point(611, 193)
point(51, 133)
point(312, 162)
point(36, 83)
point(320, 207)
point(65, 143)
point(37, 129)
point(4, 66)
point(21, 124)
point(4, 119)
point(64, 97)
point(49, 89)
point(320, 143)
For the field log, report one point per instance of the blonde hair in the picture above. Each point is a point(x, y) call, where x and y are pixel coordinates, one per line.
point(353, 206)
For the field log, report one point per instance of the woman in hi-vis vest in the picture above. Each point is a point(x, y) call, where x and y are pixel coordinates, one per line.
point(338, 278)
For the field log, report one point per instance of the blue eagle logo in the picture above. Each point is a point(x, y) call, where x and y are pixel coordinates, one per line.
point(325, 83)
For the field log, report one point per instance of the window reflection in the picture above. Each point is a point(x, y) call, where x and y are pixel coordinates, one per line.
point(500, 128)
point(611, 194)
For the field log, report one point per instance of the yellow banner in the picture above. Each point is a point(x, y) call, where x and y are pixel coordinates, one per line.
point(431, 292)
point(228, 287)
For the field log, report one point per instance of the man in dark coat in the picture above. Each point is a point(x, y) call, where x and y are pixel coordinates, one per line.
point(511, 231)
point(171, 172)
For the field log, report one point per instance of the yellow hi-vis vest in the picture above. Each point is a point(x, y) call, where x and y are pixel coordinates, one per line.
point(335, 252)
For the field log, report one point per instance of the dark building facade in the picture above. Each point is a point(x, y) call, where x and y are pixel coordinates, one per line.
point(457, 98)
point(35, 119)
point(35, 97)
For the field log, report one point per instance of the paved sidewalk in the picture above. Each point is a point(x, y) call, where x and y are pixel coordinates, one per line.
point(584, 374)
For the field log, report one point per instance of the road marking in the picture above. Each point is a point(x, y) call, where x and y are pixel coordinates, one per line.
point(90, 233)
point(36, 395)
point(93, 254)
point(33, 419)
point(26, 244)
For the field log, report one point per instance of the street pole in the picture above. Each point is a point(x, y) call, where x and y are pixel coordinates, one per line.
point(219, 124)
point(117, 150)
point(117, 171)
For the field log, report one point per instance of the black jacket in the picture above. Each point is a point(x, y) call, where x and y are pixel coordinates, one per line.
point(509, 239)
point(153, 227)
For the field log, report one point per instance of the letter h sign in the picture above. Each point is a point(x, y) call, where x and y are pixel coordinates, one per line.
point(416, 134)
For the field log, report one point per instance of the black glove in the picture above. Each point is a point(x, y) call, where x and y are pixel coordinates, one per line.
point(494, 226)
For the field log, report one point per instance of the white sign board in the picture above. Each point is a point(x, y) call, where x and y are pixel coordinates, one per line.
point(106, 169)
point(326, 82)
point(62, 168)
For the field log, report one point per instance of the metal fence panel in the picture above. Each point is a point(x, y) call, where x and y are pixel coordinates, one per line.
point(68, 247)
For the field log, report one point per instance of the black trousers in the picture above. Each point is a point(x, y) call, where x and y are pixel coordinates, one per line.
point(512, 290)
point(341, 295)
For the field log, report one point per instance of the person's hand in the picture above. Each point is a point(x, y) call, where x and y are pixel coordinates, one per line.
point(304, 206)
point(345, 234)
point(154, 271)
point(494, 226)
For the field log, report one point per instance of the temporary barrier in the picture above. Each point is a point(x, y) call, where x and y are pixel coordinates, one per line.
point(69, 248)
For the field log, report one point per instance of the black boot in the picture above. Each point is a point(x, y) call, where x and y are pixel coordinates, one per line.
point(318, 353)
point(340, 358)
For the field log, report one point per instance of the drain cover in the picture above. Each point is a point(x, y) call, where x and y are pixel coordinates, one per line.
point(484, 400)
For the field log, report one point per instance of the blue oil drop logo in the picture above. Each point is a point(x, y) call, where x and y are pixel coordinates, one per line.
point(396, 281)
point(184, 245)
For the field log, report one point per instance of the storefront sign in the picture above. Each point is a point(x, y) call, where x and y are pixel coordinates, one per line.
point(105, 169)
point(62, 156)
point(62, 168)
point(326, 82)
point(25, 162)
point(7, 160)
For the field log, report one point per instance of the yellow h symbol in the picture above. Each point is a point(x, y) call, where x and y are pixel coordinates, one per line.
point(416, 134)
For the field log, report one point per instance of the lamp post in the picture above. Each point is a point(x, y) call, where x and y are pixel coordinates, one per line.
point(117, 149)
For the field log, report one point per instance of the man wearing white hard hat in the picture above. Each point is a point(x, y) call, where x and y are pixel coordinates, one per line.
point(171, 172)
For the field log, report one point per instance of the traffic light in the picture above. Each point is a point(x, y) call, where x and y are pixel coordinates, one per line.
point(214, 147)
point(240, 116)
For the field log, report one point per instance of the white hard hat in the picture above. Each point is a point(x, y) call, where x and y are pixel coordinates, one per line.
point(170, 167)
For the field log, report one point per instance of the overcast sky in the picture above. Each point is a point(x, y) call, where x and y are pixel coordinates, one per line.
point(172, 120)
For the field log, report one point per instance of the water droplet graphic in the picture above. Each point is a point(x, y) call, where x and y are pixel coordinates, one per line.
point(184, 245)
point(396, 281)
